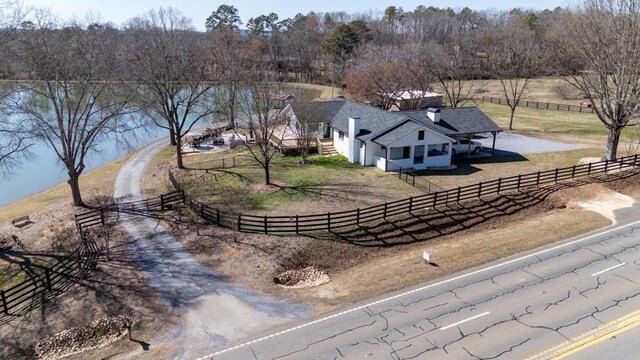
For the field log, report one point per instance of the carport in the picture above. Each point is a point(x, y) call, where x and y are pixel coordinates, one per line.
point(460, 123)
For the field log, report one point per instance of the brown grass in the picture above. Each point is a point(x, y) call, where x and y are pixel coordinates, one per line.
point(377, 258)
point(94, 183)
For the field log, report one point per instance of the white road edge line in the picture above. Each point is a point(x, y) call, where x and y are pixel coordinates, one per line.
point(419, 289)
point(464, 321)
point(608, 269)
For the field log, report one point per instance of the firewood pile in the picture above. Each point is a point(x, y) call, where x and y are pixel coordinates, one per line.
point(96, 334)
point(302, 278)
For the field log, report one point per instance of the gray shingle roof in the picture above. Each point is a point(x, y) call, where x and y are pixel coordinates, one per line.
point(323, 112)
point(373, 120)
point(456, 121)
point(398, 132)
point(377, 122)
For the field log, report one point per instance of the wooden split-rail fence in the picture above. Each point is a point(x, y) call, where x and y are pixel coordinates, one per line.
point(51, 280)
point(296, 224)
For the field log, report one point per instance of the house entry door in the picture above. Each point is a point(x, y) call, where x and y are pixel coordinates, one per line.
point(418, 154)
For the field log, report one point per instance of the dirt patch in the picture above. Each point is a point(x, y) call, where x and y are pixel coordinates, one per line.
point(606, 203)
point(117, 287)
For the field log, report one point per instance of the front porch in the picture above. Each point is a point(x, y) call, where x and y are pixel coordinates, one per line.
point(416, 157)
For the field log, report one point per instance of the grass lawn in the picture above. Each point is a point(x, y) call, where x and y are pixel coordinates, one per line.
point(471, 171)
point(539, 89)
point(325, 184)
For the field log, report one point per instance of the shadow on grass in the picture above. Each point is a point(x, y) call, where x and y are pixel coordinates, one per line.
point(431, 223)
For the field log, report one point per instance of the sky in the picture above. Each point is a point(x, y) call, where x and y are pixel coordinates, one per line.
point(118, 11)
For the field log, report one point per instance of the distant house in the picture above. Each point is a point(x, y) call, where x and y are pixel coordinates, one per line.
point(416, 139)
point(415, 99)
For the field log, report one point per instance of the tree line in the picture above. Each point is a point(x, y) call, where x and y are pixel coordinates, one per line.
point(71, 83)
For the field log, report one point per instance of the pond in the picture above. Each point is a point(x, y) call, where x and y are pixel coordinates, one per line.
point(44, 170)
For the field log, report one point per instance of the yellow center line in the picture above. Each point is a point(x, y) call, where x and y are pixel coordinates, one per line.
point(591, 337)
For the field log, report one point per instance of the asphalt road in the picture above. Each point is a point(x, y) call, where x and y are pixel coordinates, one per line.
point(535, 304)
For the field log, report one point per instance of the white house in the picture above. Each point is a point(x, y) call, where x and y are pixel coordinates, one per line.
point(417, 139)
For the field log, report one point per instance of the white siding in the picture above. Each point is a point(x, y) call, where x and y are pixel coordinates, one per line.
point(342, 146)
point(371, 149)
point(430, 137)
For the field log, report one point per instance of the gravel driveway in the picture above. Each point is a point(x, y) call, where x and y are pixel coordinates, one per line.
point(213, 312)
point(508, 143)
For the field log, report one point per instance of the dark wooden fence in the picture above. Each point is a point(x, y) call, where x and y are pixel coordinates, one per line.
point(329, 221)
point(541, 105)
point(50, 280)
point(409, 176)
point(222, 163)
point(102, 215)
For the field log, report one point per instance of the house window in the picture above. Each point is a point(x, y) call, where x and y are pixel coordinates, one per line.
point(421, 135)
point(400, 153)
point(341, 135)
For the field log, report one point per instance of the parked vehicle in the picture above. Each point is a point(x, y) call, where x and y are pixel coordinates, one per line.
point(462, 147)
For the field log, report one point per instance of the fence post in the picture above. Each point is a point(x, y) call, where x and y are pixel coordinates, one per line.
point(621, 162)
point(518, 186)
point(556, 176)
point(329, 221)
point(265, 224)
point(557, 106)
point(384, 216)
point(589, 170)
point(479, 189)
point(218, 217)
point(606, 165)
point(47, 277)
point(414, 181)
point(4, 303)
point(410, 204)
point(400, 174)
point(101, 215)
point(435, 199)
point(162, 202)
point(538, 179)
point(239, 222)
point(296, 224)
point(233, 162)
point(573, 172)
point(547, 106)
point(358, 216)
point(635, 160)
point(499, 185)
point(458, 198)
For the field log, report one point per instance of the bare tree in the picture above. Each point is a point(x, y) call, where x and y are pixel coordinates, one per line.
point(514, 60)
point(303, 118)
point(379, 76)
point(74, 104)
point(175, 64)
point(261, 128)
point(455, 68)
point(14, 140)
point(606, 34)
point(232, 62)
